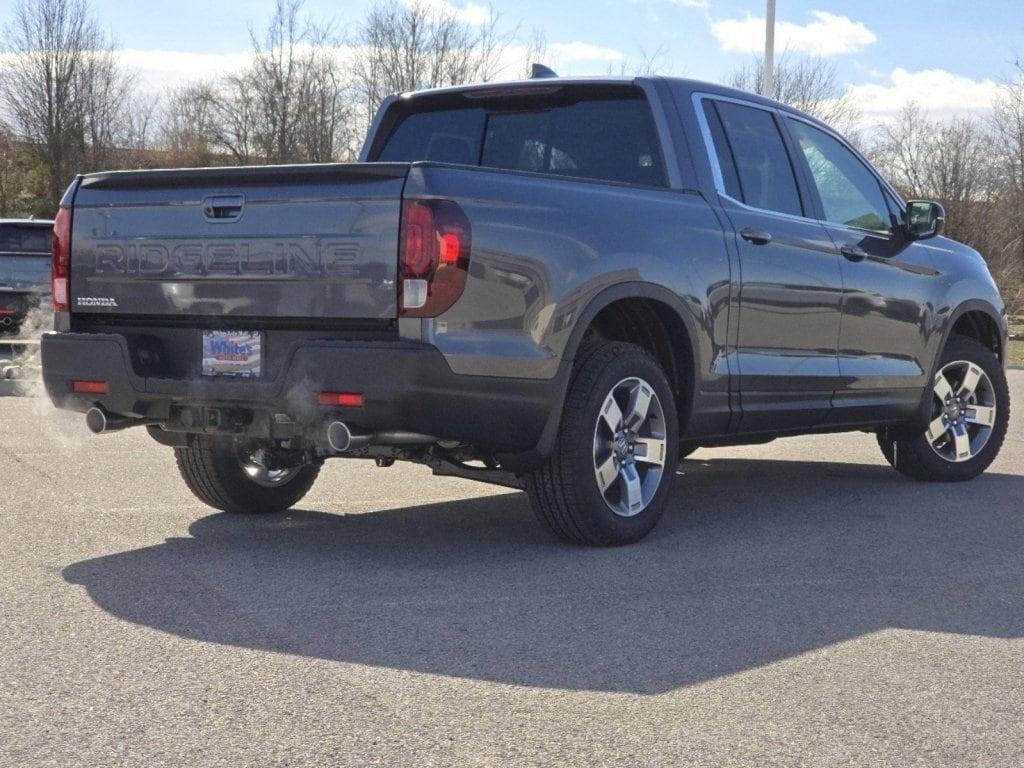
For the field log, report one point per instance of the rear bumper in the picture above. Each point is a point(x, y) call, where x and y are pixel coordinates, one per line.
point(405, 385)
point(15, 305)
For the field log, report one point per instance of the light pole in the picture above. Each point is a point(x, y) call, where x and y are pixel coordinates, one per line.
point(768, 69)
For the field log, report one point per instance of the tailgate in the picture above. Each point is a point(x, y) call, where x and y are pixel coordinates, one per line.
point(282, 241)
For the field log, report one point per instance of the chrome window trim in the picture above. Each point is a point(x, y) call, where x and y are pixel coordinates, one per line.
point(698, 97)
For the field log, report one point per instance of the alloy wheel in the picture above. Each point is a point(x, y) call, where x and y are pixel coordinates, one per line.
point(963, 411)
point(254, 466)
point(629, 447)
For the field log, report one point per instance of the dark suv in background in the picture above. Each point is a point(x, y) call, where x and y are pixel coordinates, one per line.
point(24, 270)
point(563, 285)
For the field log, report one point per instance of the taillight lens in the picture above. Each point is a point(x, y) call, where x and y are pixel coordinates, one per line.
point(435, 248)
point(61, 269)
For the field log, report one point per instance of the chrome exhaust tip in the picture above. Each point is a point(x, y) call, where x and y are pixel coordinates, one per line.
point(96, 420)
point(339, 436)
point(99, 421)
point(341, 439)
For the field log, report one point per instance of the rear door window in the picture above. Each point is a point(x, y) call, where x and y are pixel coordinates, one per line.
point(605, 139)
point(610, 140)
point(756, 158)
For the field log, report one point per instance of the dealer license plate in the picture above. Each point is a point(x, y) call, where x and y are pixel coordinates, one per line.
point(232, 353)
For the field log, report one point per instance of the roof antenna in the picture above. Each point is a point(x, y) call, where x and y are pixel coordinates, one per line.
point(539, 71)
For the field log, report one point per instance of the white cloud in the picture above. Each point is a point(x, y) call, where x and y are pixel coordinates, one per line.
point(159, 69)
point(470, 13)
point(942, 93)
point(826, 35)
point(580, 51)
point(691, 3)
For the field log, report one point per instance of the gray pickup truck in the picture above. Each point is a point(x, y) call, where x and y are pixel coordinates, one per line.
point(563, 285)
point(24, 270)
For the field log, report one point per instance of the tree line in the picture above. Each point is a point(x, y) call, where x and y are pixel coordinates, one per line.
point(307, 94)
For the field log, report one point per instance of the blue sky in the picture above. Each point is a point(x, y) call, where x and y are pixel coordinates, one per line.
point(947, 53)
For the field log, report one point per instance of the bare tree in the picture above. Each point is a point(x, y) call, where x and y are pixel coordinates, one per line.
point(950, 161)
point(12, 175)
point(809, 84)
point(1008, 126)
point(648, 64)
point(535, 52)
point(289, 105)
point(409, 46)
point(187, 131)
point(1008, 123)
point(62, 87)
point(963, 164)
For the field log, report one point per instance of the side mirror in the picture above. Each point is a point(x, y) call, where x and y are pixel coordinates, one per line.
point(924, 219)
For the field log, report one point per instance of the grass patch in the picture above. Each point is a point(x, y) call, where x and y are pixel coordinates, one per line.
point(1016, 354)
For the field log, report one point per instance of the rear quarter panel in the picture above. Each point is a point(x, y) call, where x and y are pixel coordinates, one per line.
point(545, 248)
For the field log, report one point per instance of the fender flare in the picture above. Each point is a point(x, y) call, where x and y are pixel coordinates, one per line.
point(632, 290)
point(532, 459)
point(973, 305)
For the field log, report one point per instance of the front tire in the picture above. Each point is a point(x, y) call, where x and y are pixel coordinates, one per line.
point(220, 472)
point(610, 474)
point(968, 421)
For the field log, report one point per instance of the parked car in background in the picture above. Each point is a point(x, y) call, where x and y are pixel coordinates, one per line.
point(557, 284)
point(25, 258)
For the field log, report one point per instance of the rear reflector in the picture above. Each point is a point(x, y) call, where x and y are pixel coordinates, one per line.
point(344, 399)
point(89, 387)
point(414, 293)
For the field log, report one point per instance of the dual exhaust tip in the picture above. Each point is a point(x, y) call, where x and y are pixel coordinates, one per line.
point(341, 440)
point(99, 421)
point(340, 437)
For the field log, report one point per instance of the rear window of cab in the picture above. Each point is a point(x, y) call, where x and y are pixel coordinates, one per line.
point(604, 138)
point(15, 238)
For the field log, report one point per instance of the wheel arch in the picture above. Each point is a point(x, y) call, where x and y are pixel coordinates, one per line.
point(979, 320)
point(985, 321)
point(683, 329)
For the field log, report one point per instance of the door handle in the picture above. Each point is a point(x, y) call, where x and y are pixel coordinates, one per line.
point(853, 252)
point(223, 207)
point(755, 236)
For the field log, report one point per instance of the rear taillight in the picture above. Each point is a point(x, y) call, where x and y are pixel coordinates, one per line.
point(435, 246)
point(61, 260)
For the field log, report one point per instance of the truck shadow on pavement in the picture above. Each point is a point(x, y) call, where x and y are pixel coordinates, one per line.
point(755, 561)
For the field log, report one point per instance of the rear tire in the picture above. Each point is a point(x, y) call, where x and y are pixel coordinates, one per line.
point(613, 383)
point(969, 418)
point(214, 470)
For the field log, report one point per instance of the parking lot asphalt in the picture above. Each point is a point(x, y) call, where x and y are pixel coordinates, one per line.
point(799, 604)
